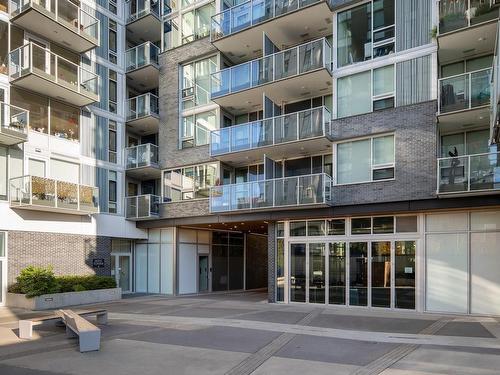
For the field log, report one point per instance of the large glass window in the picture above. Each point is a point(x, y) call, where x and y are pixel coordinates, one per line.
point(337, 273)
point(317, 273)
point(64, 121)
point(37, 105)
point(358, 274)
point(196, 82)
point(356, 39)
point(298, 272)
point(112, 193)
point(4, 44)
point(189, 182)
point(357, 163)
point(195, 129)
point(280, 270)
point(466, 143)
point(404, 274)
point(381, 274)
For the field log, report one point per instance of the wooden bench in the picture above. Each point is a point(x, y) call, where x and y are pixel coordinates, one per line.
point(89, 335)
point(26, 326)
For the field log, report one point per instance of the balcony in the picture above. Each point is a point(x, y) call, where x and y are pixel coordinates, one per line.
point(46, 194)
point(295, 73)
point(468, 174)
point(237, 31)
point(60, 21)
point(14, 124)
point(143, 114)
point(278, 137)
point(142, 161)
point(280, 193)
point(466, 25)
point(464, 98)
point(35, 68)
point(142, 207)
point(143, 70)
point(144, 19)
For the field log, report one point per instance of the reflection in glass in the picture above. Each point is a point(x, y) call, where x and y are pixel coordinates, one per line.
point(317, 273)
point(381, 274)
point(336, 277)
point(404, 269)
point(358, 273)
point(298, 272)
point(336, 227)
point(383, 224)
point(280, 270)
point(361, 225)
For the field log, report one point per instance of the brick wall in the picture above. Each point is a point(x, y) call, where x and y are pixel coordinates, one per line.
point(69, 254)
point(170, 62)
point(271, 261)
point(256, 261)
point(189, 208)
point(414, 127)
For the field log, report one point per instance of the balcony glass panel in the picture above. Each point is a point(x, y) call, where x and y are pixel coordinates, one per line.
point(53, 194)
point(288, 63)
point(142, 206)
point(35, 59)
point(64, 12)
point(281, 192)
point(251, 13)
point(457, 14)
point(14, 118)
point(144, 155)
point(465, 91)
point(272, 131)
point(469, 173)
point(141, 106)
point(142, 55)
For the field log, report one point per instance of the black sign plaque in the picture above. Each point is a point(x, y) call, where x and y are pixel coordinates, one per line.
point(98, 262)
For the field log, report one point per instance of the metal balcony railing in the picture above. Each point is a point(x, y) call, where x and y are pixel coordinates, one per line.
point(284, 192)
point(145, 155)
point(469, 173)
point(291, 127)
point(34, 59)
point(280, 65)
point(465, 91)
point(142, 106)
point(458, 14)
point(142, 55)
point(52, 195)
point(251, 13)
point(14, 119)
point(65, 12)
point(142, 206)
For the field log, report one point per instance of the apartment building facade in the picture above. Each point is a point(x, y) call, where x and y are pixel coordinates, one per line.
point(335, 152)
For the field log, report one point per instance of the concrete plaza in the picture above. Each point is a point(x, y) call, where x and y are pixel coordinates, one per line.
point(240, 333)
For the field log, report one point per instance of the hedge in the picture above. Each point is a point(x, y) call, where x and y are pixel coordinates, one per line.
point(35, 281)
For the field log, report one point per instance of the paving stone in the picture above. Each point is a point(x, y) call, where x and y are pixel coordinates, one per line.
point(466, 329)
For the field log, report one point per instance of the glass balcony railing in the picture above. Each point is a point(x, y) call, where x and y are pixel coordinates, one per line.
point(284, 64)
point(145, 155)
point(470, 173)
point(53, 195)
point(465, 91)
point(291, 127)
point(65, 12)
point(142, 106)
point(276, 193)
point(14, 119)
point(251, 13)
point(33, 59)
point(458, 14)
point(142, 206)
point(142, 55)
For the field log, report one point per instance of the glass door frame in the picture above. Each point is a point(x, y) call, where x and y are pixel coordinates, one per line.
point(3, 273)
point(115, 265)
point(347, 241)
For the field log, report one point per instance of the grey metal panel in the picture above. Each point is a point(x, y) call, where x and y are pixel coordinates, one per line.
point(102, 72)
point(413, 23)
point(88, 131)
point(88, 175)
point(102, 183)
point(102, 50)
point(413, 81)
point(101, 138)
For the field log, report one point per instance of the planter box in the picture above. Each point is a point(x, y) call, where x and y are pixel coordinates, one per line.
point(57, 300)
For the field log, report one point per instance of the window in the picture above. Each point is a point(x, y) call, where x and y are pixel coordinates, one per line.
point(112, 141)
point(365, 32)
point(196, 82)
point(195, 129)
point(113, 91)
point(365, 160)
point(383, 224)
point(355, 95)
point(3, 172)
point(36, 167)
point(361, 225)
point(466, 143)
point(298, 228)
point(112, 193)
point(4, 43)
point(64, 171)
point(112, 41)
point(112, 6)
point(192, 182)
point(336, 227)
point(64, 121)
point(406, 224)
point(37, 105)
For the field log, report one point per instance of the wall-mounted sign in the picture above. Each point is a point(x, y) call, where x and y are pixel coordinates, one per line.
point(98, 262)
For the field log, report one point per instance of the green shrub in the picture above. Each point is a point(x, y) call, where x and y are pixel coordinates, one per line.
point(35, 281)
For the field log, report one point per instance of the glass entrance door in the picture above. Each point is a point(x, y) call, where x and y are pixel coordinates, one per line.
point(381, 274)
point(317, 269)
point(203, 273)
point(122, 272)
point(298, 272)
